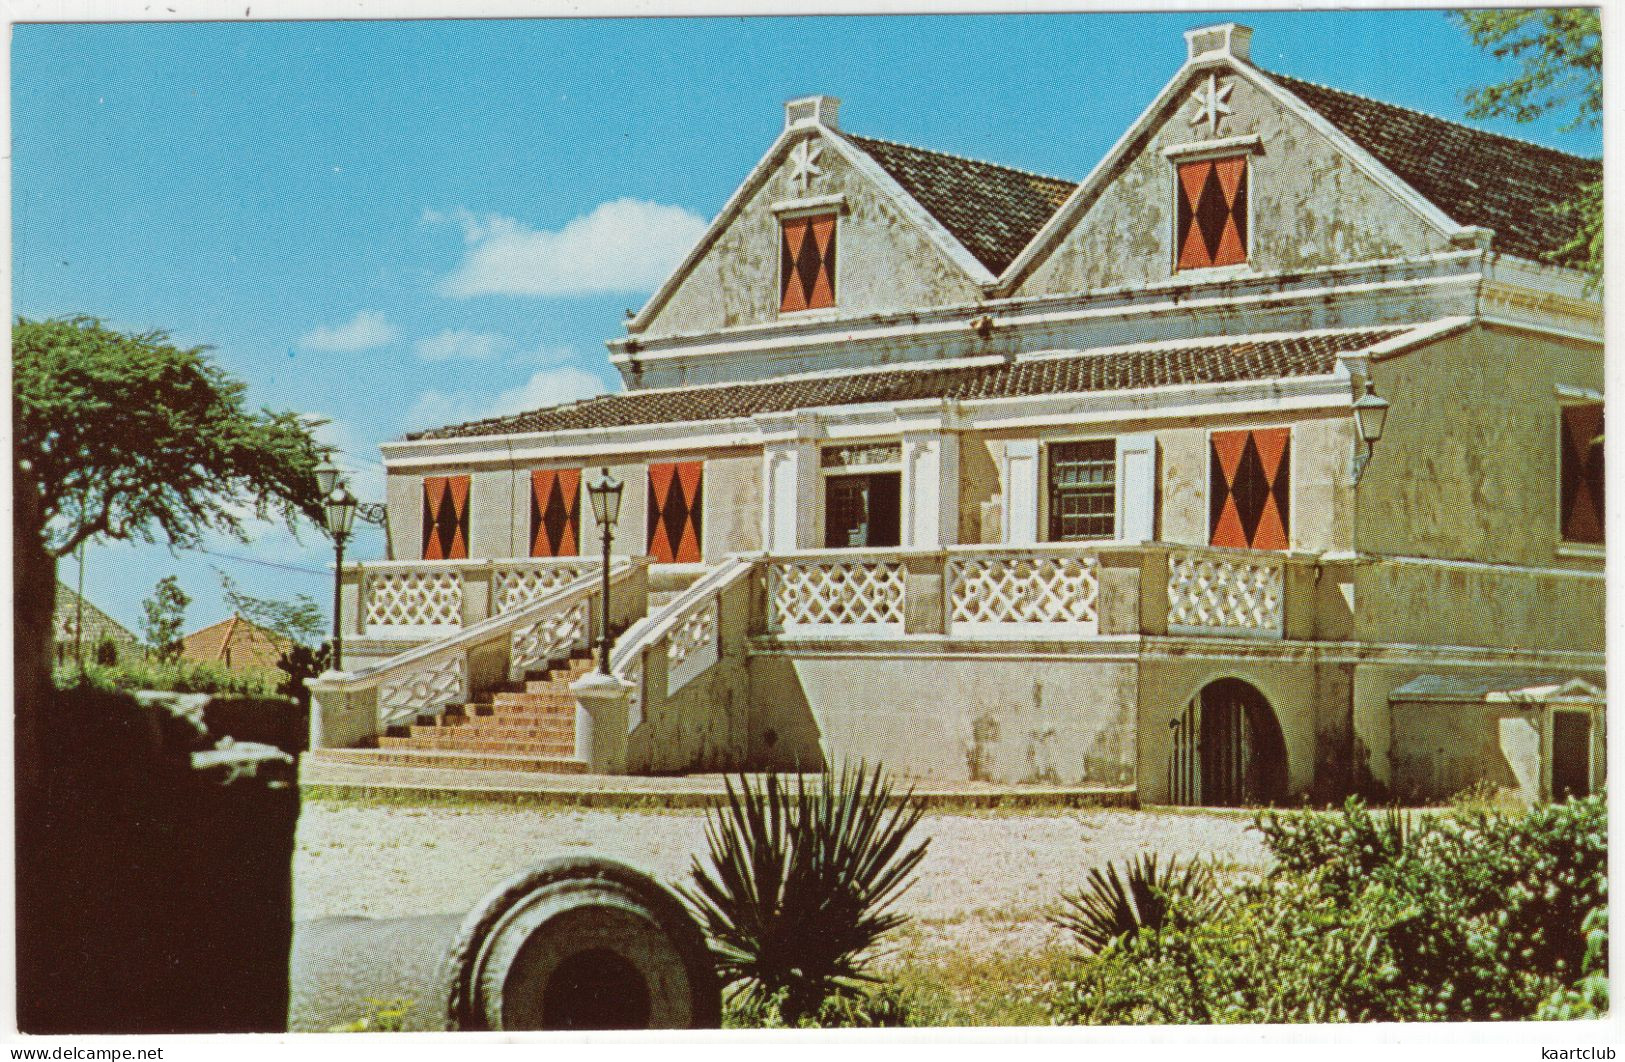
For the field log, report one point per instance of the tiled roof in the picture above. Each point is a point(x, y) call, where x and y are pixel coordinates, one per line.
point(98, 624)
point(235, 643)
point(993, 210)
point(1475, 177)
point(1167, 365)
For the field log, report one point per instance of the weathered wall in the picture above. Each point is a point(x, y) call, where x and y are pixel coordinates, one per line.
point(1468, 465)
point(955, 715)
point(1310, 205)
point(1483, 606)
point(733, 505)
point(882, 260)
point(1441, 749)
point(704, 725)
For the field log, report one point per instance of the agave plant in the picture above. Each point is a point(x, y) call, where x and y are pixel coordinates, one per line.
point(1113, 907)
point(801, 883)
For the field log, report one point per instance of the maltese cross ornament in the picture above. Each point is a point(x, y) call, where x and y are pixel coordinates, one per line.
point(804, 163)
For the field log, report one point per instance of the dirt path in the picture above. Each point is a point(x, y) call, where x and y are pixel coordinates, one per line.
point(983, 885)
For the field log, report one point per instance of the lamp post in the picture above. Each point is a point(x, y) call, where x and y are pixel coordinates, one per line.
point(1370, 415)
point(338, 510)
point(606, 509)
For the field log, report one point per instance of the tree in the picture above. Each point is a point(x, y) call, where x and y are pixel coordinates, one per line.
point(1560, 52)
point(129, 437)
point(165, 618)
point(299, 620)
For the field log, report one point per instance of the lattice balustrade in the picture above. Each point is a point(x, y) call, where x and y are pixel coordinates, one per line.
point(515, 586)
point(1024, 590)
point(838, 593)
point(424, 690)
point(1220, 594)
point(414, 598)
point(550, 637)
point(691, 647)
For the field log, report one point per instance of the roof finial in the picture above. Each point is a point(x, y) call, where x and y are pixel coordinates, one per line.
point(808, 111)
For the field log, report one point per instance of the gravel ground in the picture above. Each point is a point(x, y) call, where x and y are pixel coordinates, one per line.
point(983, 885)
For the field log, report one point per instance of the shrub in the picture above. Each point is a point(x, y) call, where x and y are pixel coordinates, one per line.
point(1587, 997)
point(800, 886)
point(1376, 917)
point(1114, 907)
point(180, 676)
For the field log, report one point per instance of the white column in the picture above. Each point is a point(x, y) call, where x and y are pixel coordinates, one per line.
point(930, 489)
point(1021, 492)
point(790, 504)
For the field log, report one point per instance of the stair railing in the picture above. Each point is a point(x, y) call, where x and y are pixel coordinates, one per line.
point(352, 707)
point(687, 632)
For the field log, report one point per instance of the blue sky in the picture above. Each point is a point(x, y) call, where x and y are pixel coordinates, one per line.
point(401, 224)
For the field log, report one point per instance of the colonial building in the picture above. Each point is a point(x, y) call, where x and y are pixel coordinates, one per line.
point(990, 475)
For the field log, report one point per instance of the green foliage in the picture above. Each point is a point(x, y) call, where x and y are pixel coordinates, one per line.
point(127, 437)
point(299, 620)
point(884, 1006)
point(1560, 55)
point(383, 1015)
point(180, 676)
point(106, 654)
point(1375, 917)
point(299, 663)
point(165, 618)
point(1112, 907)
point(1560, 49)
point(1587, 997)
point(800, 885)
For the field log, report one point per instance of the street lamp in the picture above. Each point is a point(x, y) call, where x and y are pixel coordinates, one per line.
point(1370, 415)
point(606, 509)
point(338, 509)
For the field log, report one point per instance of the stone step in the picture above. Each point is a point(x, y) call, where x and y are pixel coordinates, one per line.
point(454, 742)
point(537, 699)
point(456, 760)
point(538, 729)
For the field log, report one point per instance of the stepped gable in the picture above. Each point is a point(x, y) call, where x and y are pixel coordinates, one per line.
point(993, 210)
point(1475, 177)
point(1163, 365)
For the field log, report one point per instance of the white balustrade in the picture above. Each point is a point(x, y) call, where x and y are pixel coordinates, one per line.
point(691, 646)
point(422, 690)
point(514, 584)
point(549, 637)
point(857, 594)
point(1211, 593)
point(1023, 593)
point(413, 597)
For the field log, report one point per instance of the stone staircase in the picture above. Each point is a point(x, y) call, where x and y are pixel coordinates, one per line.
point(520, 726)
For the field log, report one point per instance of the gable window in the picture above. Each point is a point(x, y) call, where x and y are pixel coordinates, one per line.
point(1250, 488)
point(1210, 227)
point(1581, 477)
point(807, 263)
point(555, 512)
point(1082, 490)
point(445, 518)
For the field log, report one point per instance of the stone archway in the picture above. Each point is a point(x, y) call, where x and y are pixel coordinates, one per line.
point(1227, 749)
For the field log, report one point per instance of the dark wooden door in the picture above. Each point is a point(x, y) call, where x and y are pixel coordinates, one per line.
point(1571, 755)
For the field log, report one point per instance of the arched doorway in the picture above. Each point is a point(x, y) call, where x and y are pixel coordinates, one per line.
point(1227, 749)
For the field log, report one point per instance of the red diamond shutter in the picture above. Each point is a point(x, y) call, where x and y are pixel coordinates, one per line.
point(555, 512)
point(676, 493)
point(1249, 489)
point(445, 517)
point(1582, 474)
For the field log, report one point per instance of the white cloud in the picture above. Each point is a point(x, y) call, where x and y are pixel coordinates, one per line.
point(364, 331)
point(623, 245)
point(456, 344)
point(356, 456)
point(546, 387)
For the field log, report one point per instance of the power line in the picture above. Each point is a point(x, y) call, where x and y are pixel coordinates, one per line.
point(264, 563)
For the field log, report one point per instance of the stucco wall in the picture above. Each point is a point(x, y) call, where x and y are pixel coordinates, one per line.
point(951, 716)
point(1468, 465)
point(1310, 205)
point(882, 260)
point(733, 505)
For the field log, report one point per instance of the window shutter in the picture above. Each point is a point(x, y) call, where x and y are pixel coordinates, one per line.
point(1137, 488)
point(1021, 492)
